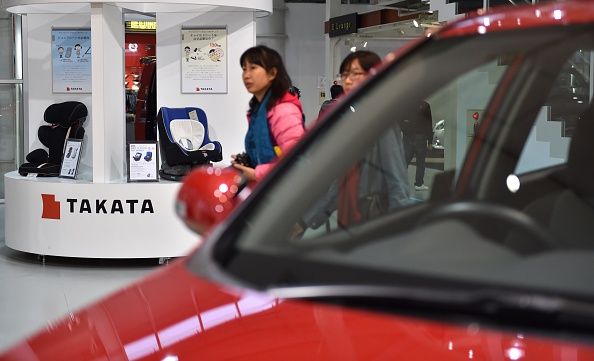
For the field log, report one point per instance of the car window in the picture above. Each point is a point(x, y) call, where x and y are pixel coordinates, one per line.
point(568, 99)
point(489, 92)
point(397, 170)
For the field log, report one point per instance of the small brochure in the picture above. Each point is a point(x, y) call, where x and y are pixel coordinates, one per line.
point(71, 158)
point(143, 162)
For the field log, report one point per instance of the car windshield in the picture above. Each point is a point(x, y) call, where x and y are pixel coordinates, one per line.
point(500, 204)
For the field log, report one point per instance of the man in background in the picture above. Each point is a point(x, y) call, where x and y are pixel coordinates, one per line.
point(417, 133)
point(335, 91)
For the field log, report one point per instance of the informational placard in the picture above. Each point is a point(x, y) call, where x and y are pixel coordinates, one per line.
point(71, 157)
point(71, 60)
point(204, 60)
point(143, 162)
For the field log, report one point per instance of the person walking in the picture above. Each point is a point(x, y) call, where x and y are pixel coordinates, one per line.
point(417, 132)
point(375, 184)
point(380, 178)
point(275, 115)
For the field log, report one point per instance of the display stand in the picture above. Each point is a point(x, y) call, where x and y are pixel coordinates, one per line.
point(73, 218)
point(99, 214)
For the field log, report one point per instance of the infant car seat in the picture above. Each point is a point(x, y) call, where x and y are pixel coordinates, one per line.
point(184, 141)
point(65, 121)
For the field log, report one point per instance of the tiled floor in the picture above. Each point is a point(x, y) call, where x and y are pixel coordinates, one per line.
point(33, 294)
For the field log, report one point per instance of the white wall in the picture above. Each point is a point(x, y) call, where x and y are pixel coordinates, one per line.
point(304, 52)
point(270, 30)
point(226, 112)
point(37, 32)
point(544, 137)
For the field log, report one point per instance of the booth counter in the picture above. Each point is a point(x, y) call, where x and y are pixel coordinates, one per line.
point(73, 218)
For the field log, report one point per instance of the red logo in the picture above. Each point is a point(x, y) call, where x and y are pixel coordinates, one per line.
point(475, 115)
point(51, 207)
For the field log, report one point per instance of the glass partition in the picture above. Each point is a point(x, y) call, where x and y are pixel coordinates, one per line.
point(11, 90)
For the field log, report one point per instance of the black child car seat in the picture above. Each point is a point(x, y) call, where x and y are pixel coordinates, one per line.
point(65, 121)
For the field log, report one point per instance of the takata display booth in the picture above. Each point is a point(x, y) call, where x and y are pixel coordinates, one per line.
point(82, 199)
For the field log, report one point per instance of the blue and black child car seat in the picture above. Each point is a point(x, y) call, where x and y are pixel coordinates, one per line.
point(184, 141)
point(65, 121)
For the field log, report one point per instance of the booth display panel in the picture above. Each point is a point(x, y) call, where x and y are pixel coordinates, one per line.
point(72, 218)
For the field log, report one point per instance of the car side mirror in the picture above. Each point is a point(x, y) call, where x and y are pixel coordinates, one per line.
point(207, 196)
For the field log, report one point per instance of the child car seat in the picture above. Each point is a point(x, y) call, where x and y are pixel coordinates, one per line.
point(184, 141)
point(65, 121)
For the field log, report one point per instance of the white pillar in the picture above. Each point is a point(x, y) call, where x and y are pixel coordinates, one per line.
point(333, 57)
point(270, 30)
point(108, 118)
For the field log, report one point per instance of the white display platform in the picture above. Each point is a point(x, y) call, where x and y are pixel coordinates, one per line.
point(99, 215)
point(94, 220)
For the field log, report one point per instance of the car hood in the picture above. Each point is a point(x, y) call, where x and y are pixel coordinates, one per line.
point(175, 315)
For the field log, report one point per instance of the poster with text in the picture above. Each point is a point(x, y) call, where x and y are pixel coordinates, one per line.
point(204, 60)
point(71, 60)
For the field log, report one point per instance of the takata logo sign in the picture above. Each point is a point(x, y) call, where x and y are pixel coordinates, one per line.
point(52, 207)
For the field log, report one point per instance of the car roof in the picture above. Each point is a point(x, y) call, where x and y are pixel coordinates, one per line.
point(497, 19)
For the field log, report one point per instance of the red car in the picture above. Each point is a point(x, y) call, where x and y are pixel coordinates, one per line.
point(495, 262)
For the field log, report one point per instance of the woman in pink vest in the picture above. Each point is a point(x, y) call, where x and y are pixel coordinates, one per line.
point(275, 115)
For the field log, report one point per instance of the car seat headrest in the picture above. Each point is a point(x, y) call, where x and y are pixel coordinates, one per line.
point(66, 114)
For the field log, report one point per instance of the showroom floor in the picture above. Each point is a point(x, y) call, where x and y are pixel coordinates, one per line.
point(34, 294)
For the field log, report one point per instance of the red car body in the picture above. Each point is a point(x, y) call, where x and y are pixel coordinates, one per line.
point(176, 315)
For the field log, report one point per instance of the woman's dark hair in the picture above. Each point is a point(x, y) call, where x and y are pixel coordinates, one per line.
point(367, 59)
point(268, 59)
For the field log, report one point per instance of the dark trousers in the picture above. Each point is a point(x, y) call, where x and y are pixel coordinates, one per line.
point(416, 145)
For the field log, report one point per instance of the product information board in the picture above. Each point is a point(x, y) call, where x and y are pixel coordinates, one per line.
point(143, 162)
point(71, 60)
point(71, 158)
point(204, 60)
